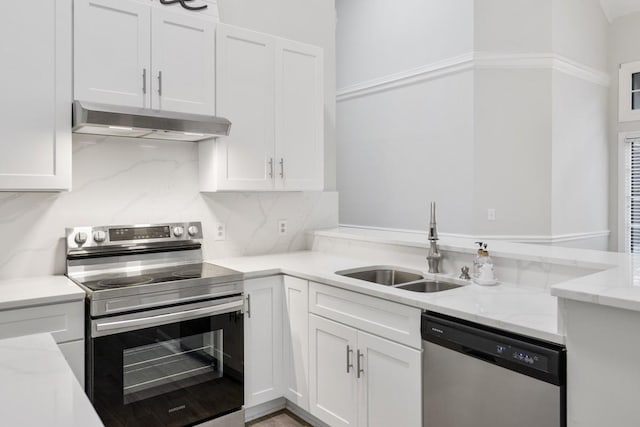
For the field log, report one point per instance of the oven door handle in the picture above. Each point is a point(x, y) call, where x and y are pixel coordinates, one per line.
point(163, 319)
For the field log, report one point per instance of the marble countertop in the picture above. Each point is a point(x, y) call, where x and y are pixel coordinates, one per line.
point(38, 387)
point(525, 310)
point(30, 291)
point(617, 284)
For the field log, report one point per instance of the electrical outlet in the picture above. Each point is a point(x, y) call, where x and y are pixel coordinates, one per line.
point(282, 227)
point(221, 232)
point(491, 214)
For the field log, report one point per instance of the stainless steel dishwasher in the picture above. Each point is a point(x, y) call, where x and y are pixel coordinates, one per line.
point(475, 376)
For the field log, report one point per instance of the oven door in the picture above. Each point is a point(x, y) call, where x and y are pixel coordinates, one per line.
point(168, 367)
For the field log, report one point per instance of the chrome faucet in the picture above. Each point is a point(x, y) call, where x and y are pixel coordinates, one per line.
point(434, 256)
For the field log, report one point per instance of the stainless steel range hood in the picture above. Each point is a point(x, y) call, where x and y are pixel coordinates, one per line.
point(101, 119)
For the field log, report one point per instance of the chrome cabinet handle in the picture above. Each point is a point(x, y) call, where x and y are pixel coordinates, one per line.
point(281, 167)
point(160, 83)
point(144, 81)
point(271, 167)
point(349, 353)
point(360, 369)
point(249, 306)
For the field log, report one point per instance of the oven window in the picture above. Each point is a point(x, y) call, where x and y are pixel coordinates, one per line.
point(170, 375)
point(154, 369)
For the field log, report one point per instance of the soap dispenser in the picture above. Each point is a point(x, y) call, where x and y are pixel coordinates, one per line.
point(483, 273)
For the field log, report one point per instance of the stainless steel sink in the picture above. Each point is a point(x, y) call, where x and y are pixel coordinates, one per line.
point(389, 276)
point(398, 278)
point(429, 286)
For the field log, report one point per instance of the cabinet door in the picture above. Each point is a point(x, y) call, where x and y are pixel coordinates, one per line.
point(245, 95)
point(299, 116)
point(112, 52)
point(296, 341)
point(332, 385)
point(35, 104)
point(263, 341)
point(390, 383)
point(183, 55)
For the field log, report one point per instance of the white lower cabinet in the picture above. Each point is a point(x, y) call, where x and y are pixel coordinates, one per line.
point(298, 346)
point(360, 379)
point(263, 340)
point(333, 391)
point(390, 388)
point(296, 341)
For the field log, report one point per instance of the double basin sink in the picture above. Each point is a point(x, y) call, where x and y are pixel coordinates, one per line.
point(399, 279)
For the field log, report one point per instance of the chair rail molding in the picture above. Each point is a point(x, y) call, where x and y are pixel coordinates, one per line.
point(475, 60)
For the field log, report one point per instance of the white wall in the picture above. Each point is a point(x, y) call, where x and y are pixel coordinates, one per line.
point(512, 166)
point(579, 116)
point(513, 26)
point(308, 21)
point(623, 47)
point(580, 31)
point(579, 157)
point(522, 130)
point(379, 37)
point(400, 148)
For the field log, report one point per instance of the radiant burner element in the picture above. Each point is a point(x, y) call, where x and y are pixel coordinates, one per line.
point(120, 282)
point(188, 274)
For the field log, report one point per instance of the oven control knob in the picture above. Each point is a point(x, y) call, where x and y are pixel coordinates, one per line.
point(178, 231)
point(99, 236)
point(80, 238)
point(193, 230)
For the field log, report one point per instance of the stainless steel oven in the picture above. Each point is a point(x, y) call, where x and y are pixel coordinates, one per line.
point(164, 331)
point(166, 367)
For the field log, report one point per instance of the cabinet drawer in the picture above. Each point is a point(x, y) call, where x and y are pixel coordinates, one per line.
point(397, 322)
point(64, 321)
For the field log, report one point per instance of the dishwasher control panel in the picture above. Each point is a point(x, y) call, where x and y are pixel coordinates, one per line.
point(526, 355)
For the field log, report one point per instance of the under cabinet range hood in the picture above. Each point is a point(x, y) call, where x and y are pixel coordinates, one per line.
point(102, 119)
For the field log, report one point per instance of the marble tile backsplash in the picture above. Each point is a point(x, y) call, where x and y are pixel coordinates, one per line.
point(127, 181)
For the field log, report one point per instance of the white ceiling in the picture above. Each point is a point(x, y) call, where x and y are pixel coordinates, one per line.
point(616, 8)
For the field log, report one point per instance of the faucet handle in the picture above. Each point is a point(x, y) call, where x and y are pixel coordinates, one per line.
point(464, 273)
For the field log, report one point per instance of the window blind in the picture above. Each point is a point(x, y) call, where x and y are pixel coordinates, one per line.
point(633, 195)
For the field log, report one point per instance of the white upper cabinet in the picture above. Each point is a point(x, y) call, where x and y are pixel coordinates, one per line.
point(183, 55)
point(299, 116)
point(35, 104)
point(144, 54)
point(272, 91)
point(245, 75)
point(112, 52)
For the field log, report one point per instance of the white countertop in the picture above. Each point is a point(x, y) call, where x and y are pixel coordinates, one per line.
point(525, 310)
point(617, 285)
point(38, 387)
point(30, 291)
